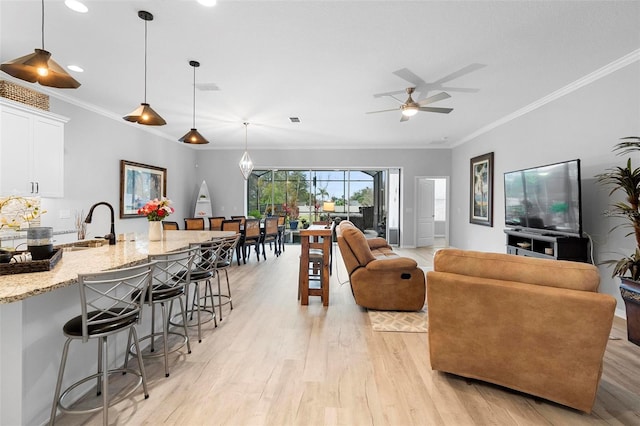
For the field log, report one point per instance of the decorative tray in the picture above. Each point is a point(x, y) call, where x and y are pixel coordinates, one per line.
point(31, 266)
point(524, 245)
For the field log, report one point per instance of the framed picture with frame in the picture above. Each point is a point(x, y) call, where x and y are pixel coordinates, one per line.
point(139, 183)
point(481, 202)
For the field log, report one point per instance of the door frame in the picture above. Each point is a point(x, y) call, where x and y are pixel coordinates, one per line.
point(447, 209)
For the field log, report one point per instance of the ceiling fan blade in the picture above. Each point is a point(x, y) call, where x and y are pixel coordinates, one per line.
point(384, 110)
point(435, 109)
point(460, 89)
point(410, 76)
point(391, 94)
point(435, 98)
point(462, 71)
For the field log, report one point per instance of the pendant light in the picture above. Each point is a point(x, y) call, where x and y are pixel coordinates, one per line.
point(144, 114)
point(39, 67)
point(193, 136)
point(246, 165)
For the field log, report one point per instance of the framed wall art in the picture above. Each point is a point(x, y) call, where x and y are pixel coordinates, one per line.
point(481, 211)
point(139, 183)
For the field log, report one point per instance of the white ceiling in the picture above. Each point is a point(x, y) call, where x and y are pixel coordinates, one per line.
point(323, 61)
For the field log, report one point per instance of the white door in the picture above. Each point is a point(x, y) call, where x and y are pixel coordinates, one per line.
point(425, 212)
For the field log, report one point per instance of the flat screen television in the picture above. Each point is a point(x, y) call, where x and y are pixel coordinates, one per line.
point(545, 199)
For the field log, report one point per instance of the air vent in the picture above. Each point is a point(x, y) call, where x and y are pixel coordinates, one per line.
point(294, 119)
point(207, 87)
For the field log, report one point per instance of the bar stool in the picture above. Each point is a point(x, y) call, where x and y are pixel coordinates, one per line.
point(110, 304)
point(223, 262)
point(171, 275)
point(314, 272)
point(203, 270)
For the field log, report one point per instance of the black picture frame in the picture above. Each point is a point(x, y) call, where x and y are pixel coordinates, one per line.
point(139, 183)
point(481, 190)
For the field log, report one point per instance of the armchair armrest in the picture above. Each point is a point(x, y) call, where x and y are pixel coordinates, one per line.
point(392, 264)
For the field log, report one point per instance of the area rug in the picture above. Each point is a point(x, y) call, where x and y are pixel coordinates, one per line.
point(407, 322)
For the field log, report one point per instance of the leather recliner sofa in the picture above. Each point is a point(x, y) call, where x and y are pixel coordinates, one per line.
point(538, 326)
point(380, 279)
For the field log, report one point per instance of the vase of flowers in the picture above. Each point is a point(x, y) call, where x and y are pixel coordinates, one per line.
point(156, 210)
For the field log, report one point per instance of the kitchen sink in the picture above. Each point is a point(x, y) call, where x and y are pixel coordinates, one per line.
point(75, 248)
point(84, 245)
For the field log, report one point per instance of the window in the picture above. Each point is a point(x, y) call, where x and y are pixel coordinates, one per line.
point(357, 195)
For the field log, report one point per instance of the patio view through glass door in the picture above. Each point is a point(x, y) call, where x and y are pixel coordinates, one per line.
point(313, 195)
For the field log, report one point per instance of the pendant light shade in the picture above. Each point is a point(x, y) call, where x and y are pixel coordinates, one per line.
point(193, 136)
point(246, 165)
point(144, 114)
point(39, 67)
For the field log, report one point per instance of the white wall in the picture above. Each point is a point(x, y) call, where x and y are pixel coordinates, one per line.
point(226, 185)
point(94, 146)
point(584, 124)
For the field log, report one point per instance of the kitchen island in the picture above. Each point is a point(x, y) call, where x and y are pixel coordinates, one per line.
point(35, 306)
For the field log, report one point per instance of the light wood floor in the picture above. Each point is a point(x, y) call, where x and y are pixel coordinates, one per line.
point(274, 362)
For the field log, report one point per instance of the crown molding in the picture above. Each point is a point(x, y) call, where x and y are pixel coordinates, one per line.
point(581, 82)
point(87, 106)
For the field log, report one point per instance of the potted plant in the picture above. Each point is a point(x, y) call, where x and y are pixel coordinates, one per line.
point(293, 213)
point(627, 180)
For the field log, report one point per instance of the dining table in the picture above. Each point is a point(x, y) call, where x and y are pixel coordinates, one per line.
point(316, 236)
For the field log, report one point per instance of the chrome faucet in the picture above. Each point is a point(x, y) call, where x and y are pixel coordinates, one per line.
point(111, 236)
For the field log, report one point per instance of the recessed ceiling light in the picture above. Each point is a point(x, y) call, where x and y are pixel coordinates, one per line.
point(208, 3)
point(76, 6)
point(75, 68)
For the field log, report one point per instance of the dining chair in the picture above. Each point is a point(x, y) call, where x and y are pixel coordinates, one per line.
point(270, 235)
point(215, 223)
point(110, 303)
point(251, 237)
point(233, 225)
point(170, 226)
point(281, 232)
point(242, 219)
point(194, 223)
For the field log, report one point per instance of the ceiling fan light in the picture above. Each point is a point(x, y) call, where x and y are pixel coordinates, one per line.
point(193, 137)
point(39, 67)
point(409, 111)
point(144, 114)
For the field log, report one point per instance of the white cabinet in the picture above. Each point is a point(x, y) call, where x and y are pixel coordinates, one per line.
point(31, 151)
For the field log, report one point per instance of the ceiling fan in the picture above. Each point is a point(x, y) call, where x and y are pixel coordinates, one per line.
point(410, 107)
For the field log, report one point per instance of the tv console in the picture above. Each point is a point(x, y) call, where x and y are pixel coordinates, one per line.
point(547, 246)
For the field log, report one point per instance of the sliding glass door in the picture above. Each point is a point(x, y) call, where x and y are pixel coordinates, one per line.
point(314, 195)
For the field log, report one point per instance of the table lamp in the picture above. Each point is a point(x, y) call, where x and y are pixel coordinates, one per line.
point(329, 207)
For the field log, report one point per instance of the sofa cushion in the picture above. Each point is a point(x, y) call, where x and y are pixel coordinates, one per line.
point(358, 245)
point(507, 267)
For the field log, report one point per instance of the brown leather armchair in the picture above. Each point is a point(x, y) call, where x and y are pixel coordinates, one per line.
point(534, 325)
point(380, 279)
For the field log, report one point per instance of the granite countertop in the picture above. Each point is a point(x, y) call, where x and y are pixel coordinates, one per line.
point(17, 287)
